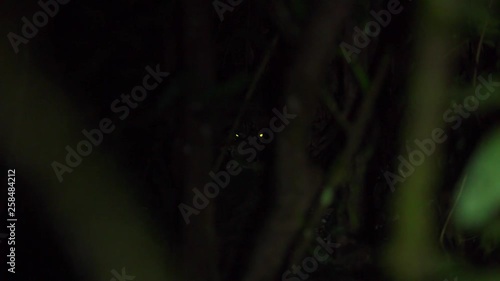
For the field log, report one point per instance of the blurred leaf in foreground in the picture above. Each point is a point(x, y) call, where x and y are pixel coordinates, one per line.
point(481, 192)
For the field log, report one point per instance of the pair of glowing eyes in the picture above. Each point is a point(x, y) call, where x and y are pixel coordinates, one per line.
point(261, 135)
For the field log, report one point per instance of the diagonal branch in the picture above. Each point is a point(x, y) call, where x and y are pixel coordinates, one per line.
point(297, 181)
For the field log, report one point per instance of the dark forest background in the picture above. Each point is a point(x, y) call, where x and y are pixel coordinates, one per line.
point(341, 174)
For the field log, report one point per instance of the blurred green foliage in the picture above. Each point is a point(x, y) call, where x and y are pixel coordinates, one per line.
point(480, 200)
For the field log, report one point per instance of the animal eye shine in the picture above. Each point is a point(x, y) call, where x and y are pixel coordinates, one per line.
point(261, 135)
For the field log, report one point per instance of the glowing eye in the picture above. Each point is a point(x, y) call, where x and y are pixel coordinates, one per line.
point(261, 135)
point(236, 135)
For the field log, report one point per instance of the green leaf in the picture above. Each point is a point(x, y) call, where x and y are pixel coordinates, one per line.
point(326, 197)
point(481, 191)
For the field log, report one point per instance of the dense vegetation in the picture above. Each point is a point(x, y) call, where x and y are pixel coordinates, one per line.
point(271, 140)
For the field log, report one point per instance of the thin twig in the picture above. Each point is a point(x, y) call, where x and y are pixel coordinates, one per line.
point(338, 170)
point(480, 46)
point(443, 231)
point(334, 109)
